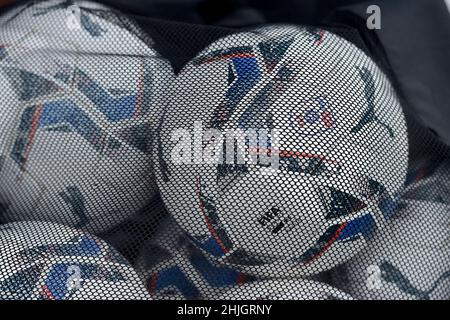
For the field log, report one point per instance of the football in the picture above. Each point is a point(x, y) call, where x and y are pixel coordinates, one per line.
point(173, 269)
point(396, 263)
point(283, 171)
point(433, 188)
point(79, 111)
point(45, 261)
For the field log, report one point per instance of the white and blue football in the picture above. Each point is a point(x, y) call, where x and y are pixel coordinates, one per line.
point(78, 115)
point(172, 268)
point(409, 260)
point(317, 157)
point(45, 261)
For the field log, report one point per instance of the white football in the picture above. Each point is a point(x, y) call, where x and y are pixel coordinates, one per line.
point(434, 188)
point(173, 269)
point(409, 260)
point(79, 111)
point(324, 173)
point(45, 261)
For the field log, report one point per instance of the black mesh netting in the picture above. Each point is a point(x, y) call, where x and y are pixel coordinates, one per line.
point(275, 162)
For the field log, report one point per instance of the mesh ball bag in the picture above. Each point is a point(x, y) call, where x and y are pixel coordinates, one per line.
point(160, 160)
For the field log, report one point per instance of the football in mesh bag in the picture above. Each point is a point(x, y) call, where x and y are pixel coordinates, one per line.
point(409, 260)
point(78, 110)
point(284, 149)
point(172, 268)
point(46, 261)
point(285, 290)
point(435, 188)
